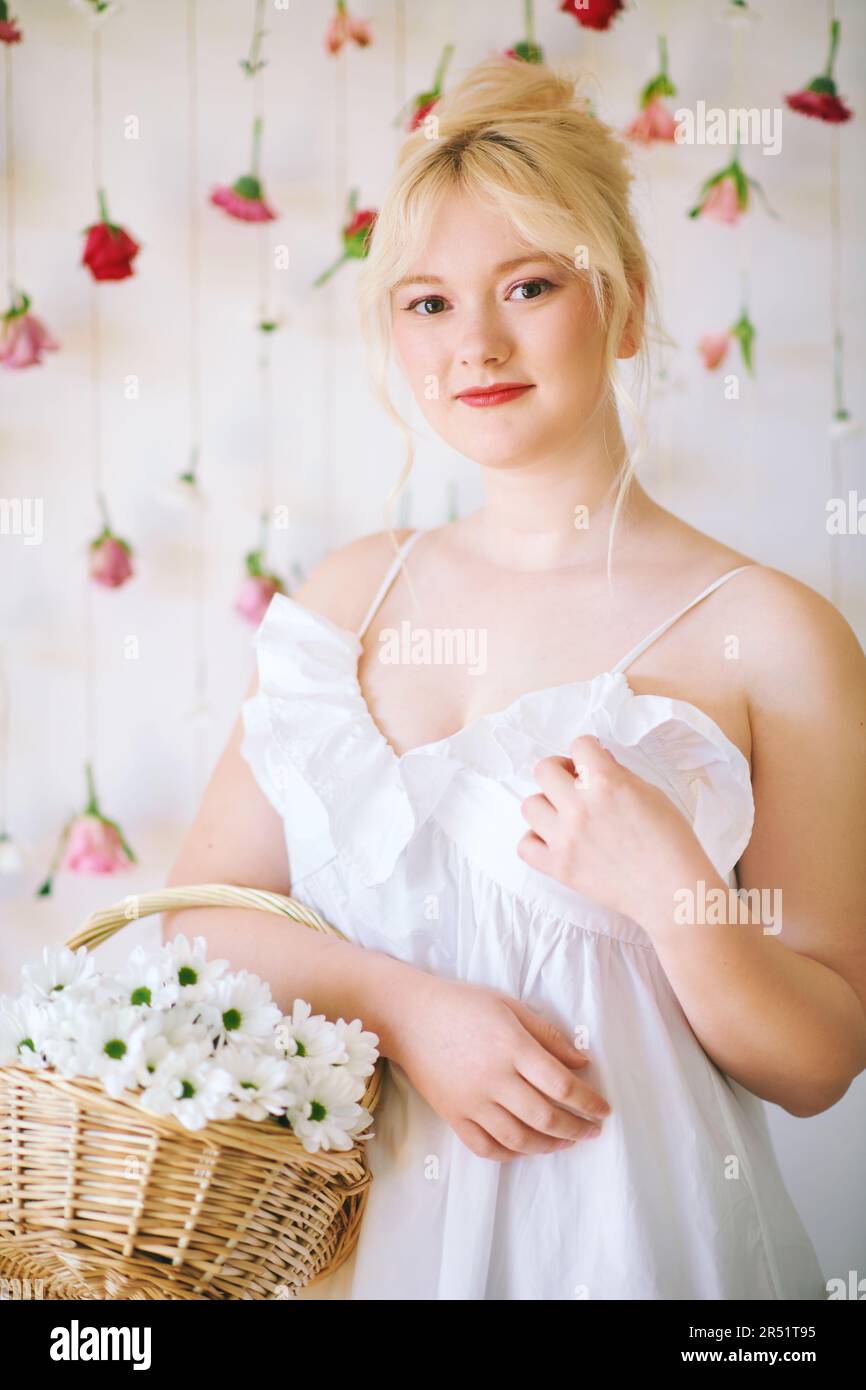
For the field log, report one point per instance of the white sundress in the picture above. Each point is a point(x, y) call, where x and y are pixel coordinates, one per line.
point(681, 1196)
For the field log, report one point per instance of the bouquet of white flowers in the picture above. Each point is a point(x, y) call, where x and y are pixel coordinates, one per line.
point(166, 1131)
point(192, 1040)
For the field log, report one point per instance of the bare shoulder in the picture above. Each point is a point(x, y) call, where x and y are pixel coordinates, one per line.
point(796, 646)
point(343, 584)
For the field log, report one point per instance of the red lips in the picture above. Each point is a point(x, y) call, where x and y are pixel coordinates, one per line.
point(495, 394)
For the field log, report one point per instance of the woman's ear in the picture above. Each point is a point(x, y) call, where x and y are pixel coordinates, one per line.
point(633, 331)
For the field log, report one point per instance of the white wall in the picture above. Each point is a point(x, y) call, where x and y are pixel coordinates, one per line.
point(756, 473)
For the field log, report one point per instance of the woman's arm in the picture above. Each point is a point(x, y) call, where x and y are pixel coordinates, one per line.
point(785, 1013)
point(238, 837)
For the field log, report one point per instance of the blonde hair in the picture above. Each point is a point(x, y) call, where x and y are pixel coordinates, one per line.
point(518, 136)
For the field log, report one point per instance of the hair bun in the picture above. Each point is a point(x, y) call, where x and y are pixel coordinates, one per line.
point(501, 86)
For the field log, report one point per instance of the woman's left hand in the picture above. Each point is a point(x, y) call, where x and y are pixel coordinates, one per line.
point(608, 834)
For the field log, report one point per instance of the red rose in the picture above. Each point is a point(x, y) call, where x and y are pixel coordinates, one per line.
point(823, 106)
point(9, 31)
point(592, 14)
point(359, 223)
point(820, 98)
point(109, 250)
point(421, 112)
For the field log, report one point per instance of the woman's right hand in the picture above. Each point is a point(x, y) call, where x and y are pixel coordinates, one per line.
point(497, 1072)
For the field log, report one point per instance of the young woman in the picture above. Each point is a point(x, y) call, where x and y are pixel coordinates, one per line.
point(520, 840)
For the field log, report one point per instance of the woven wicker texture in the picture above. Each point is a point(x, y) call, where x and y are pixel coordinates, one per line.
point(101, 1200)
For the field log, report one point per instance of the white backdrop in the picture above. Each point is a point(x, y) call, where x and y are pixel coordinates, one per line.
point(756, 472)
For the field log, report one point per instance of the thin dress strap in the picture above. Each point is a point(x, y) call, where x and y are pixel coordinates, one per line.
point(390, 576)
point(663, 627)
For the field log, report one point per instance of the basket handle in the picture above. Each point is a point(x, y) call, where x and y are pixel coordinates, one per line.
point(106, 921)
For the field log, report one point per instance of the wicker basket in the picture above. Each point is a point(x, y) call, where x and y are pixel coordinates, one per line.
point(101, 1200)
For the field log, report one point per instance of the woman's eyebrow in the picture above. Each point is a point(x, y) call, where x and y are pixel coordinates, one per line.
point(503, 265)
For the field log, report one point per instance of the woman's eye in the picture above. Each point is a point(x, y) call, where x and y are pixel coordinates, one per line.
point(431, 299)
point(528, 284)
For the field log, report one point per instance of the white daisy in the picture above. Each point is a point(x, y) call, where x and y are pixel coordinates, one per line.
point(247, 1011)
point(66, 1021)
point(328, 1114)
point(196, 1022)
point(60, 969)
point(361, 1046)
point(309, 1036)
point(161, 1032)
point(190, 1086)
point(148, 980)
point(109, 1047)
point(261, 1085)
point(188, 964)
point(23, 1027)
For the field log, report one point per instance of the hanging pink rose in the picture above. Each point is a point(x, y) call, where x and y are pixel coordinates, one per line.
point(23, 337)
point(345, 28)
point(89, 843)
point(820, 98)
point(592, 14)
point(110, 556)
point(725, 194)
point(722, 202)
point(255, 595)
point(244, 199)
point(110, 563)
point(9, 31)
point(93, 847)
point(655, 122)
point(713, 348)
point(260, 585)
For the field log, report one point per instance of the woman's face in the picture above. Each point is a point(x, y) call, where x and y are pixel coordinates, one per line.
point(467, 320)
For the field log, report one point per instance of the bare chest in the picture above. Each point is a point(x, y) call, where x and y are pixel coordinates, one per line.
point(425, 676)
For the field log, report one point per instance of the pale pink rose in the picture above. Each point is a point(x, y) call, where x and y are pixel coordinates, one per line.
point(655, 122)
point(93, 847)
point(24, 339)
point(345, 28)
point(713, 348)
point(360, 32)
point(110, 564)
point(254, 596)
point(721, 202)
point(336, 33)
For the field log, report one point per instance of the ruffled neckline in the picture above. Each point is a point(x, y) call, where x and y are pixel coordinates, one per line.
point(376, 799)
